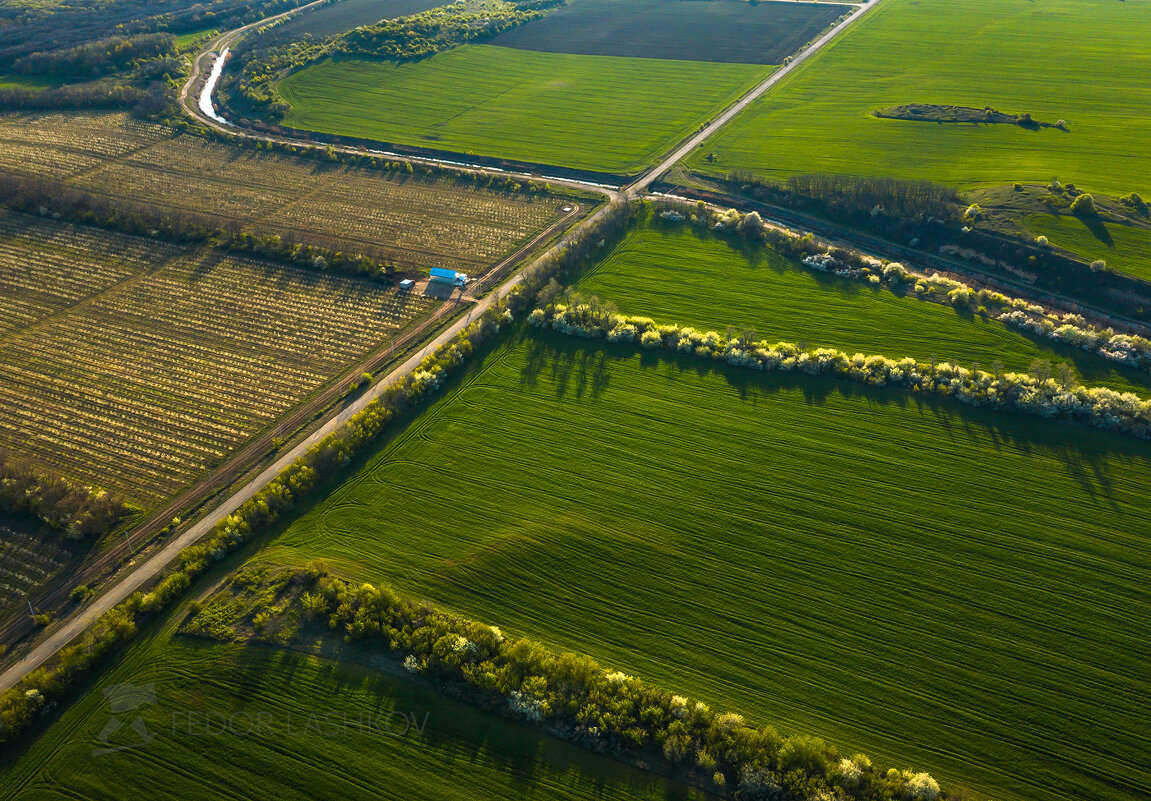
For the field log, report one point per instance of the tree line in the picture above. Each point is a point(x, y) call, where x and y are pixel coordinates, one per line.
point(48, 198)
point(569, 694)
point(1039, 394)
point(930, 218)
point(75, 510)
point(45, 32)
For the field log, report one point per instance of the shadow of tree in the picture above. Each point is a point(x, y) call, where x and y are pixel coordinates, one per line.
point(1087, 454)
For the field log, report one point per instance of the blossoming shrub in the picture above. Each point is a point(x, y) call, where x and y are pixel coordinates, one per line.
point(1127, 349)
point(1124, 412)
point(570, 694)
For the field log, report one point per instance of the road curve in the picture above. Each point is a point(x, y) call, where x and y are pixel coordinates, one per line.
point(154, 564)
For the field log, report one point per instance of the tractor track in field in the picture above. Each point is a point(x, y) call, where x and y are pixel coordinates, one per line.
point(245, 460)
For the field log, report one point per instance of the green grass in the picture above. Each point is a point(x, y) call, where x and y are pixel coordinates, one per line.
point(675, 274)
point(460, 751)
point(192, 37)
point(34, 82)
point(718, 30)
point(1084, 61)
point(1124, 247)
point(945, 587)
point(588, 112)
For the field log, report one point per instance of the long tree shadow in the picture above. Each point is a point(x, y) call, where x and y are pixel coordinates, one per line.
point(1088, 455)
point(1097, 228)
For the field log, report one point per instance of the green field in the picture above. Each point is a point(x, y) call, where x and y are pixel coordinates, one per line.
point(673, 273)
point(1124, 247)
point(458, 752)
point(589, 112)
point(719, 30)
point(1083, 61)
point(193, 37)
point(944, 587)
point(35, 82)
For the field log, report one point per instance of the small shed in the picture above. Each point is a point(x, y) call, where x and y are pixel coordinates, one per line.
point(441, 275)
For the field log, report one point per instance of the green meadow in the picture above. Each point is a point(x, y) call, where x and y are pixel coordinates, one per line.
point(1124, 247)
point(939, 586)
point(193, 37)
point(34, 82)
point(1083, 61)
point(257, 723)
point(674, 273)
point(589, 112)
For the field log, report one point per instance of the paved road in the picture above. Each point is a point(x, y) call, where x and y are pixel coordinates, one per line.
point(153, 565)
point(695, 141)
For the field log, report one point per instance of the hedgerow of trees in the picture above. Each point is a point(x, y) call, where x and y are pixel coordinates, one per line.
point(49, 198)
point(1131, 350)
point(569, 694)
point(1039, 394)
point(76, 510)
point(930, 218)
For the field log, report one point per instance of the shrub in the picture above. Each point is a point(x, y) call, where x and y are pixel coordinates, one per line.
point(77, 511)
point(921, 787)
point(1084, 206)
point(1134, 201)
point(808, 754)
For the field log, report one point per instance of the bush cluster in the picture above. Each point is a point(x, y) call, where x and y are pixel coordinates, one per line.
point(101, 57)
point(1127, 349)
point(20, 704)
point(75, 510)
point(570, 694)
point(147, 99)
point(1040, 394)
point(539, 280)
point(91, 33)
